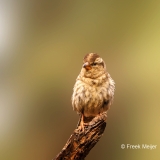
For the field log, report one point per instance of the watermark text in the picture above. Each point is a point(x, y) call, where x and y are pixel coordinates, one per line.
point(139, 146)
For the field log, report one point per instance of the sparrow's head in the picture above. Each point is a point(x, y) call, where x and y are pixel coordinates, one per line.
point(93, 66)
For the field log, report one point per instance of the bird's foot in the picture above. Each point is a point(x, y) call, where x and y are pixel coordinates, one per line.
point(81, 125)
point(80, 128)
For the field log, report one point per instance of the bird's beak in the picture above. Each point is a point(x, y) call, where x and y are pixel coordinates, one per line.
point(87, 66)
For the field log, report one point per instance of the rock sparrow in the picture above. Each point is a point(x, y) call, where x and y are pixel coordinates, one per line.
point(93, 91)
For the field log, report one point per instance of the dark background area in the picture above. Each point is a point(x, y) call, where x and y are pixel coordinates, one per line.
point(42, 44)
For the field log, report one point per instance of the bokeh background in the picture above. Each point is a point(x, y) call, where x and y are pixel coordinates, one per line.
point(42, 44)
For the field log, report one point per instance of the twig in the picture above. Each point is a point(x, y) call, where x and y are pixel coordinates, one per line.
point(80, 143)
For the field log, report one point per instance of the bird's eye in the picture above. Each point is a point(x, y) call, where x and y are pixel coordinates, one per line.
point(94, 64)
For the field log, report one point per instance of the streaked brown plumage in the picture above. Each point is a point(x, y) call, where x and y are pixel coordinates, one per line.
point(93, 91)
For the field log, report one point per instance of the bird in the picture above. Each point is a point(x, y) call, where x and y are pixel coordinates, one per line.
point(94, 88)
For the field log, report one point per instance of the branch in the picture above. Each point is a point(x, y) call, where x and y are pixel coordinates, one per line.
point(80, 143)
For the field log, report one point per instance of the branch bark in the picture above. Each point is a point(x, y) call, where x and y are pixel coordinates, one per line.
point(80, 143)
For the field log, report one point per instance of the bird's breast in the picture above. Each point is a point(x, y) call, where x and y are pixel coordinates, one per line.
point(88, 99)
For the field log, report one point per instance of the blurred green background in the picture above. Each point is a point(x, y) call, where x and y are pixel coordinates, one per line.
point(42, 44)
